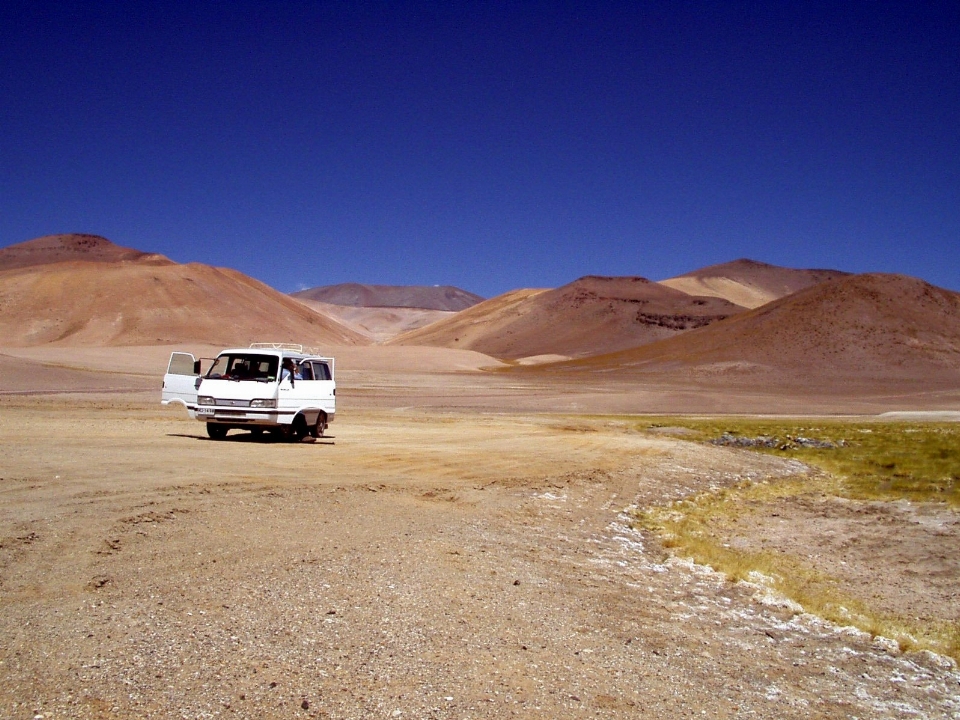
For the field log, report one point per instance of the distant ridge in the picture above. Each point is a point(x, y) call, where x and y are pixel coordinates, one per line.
point(747, 282)
point(423, 297)
point(588, 316)
point(377, 323)
point(51, 249)
point(860, 327)
point(84, 290)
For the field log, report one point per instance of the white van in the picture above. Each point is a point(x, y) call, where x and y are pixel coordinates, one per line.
point(249, 389)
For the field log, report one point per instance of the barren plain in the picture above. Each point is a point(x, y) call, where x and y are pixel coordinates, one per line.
point(450, 551)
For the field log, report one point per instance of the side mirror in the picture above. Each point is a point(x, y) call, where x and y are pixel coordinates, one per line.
point(196, 367)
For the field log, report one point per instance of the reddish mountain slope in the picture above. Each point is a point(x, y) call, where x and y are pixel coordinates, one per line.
point(589, 316)
point(873, 326)
point(423, 297)
point(123, 297)
point(747, 282)
point(62, 248)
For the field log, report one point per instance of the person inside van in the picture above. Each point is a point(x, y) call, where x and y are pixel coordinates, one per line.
point(289, 369)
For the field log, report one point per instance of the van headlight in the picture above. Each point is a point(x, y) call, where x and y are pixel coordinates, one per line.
point(206, 400)
point(263, 403)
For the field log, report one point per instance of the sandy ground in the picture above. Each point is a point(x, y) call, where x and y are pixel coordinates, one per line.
point(451, 561)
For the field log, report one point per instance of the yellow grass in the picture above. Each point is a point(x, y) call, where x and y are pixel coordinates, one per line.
point(919, 462)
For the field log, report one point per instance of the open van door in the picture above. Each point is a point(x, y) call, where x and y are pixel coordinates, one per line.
point(181, 381)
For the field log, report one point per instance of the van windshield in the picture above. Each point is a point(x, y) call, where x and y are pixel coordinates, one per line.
point(246, 366)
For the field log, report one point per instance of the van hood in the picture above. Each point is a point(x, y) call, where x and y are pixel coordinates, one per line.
point(237, 389)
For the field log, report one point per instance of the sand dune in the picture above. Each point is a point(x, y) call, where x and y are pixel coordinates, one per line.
point(424, 297)
point(871, 327)
point(747, 282)
point(142, 299)
point(588, 316)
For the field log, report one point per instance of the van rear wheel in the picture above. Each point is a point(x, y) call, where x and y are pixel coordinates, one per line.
point(318, 429)
point(217, 431)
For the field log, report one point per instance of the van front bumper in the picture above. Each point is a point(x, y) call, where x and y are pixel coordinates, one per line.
point(235, 415)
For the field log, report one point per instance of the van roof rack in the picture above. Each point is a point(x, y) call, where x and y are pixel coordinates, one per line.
point(277, 346)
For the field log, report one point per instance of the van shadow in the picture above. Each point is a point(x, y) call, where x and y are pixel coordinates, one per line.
point(264, 439)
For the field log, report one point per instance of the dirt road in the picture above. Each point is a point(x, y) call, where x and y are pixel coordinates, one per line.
point(416, 565)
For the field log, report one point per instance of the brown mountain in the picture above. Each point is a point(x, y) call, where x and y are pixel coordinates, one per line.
point(860, 327)
point(470, 327)
point(747, 282)
point(423, 297)
point(586, 317)
point(60, 248)
point(84, 290)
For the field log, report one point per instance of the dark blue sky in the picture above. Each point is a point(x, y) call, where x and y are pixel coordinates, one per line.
point(487, 145)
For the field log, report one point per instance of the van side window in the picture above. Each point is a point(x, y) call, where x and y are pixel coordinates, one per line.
point(321, 371)
point(306, 371)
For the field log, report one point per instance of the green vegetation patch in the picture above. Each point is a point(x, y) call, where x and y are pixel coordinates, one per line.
point(873, 460)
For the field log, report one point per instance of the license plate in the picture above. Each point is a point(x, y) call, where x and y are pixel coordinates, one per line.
point(204, 411)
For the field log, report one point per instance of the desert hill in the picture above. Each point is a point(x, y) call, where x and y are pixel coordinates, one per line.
point(60, 248)
point(423, 297)
point(863, 327)
point(468, 328)
point(84, 290)
point(588, 316)
point(747, 282)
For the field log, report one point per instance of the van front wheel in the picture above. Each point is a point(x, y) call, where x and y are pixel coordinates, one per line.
point(299, 430)
point(217, 431)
